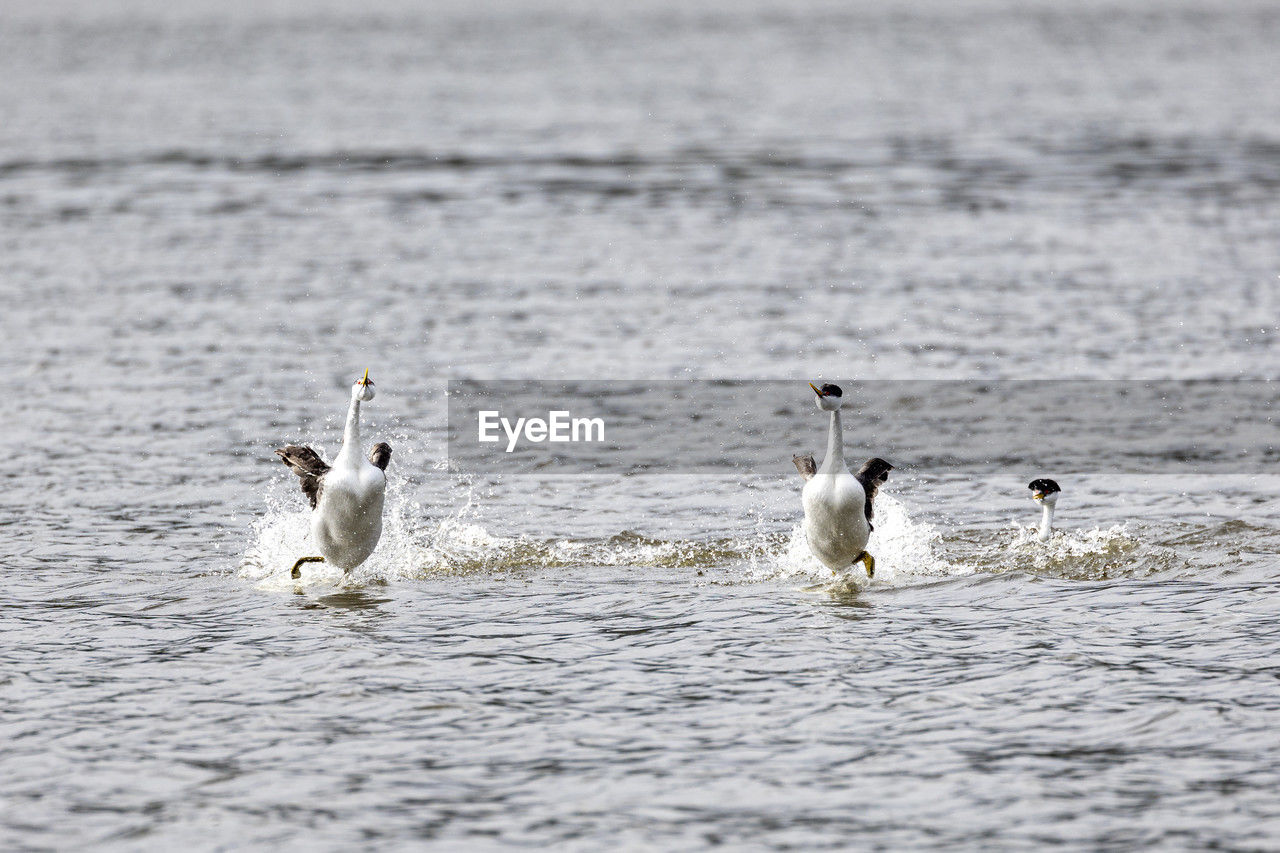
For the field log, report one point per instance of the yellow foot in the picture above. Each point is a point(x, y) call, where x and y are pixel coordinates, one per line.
point(297, 567)
point(868, 561)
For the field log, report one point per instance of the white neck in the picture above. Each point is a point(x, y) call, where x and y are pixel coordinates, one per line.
point(1046, 521)
point(834, 461)
point(351, 435)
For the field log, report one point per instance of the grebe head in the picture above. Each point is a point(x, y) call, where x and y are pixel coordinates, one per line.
point(1044, 491)
point(363, 389)
point(830, 397)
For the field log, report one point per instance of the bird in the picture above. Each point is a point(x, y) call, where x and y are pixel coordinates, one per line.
point(1045, 492)
point(346, 497)
point(838, 505)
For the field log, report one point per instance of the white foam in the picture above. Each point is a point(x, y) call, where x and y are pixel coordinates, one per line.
point(1093, 553)
point(904, 549)
point(415, 544)
point(411, 546)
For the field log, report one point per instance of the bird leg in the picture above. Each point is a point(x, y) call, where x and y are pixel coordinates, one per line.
point(868, 561)
point(297, 567)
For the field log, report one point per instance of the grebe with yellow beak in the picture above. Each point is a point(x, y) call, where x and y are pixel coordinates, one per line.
point(346, 497)
point(837, 504)
point(1045, 492)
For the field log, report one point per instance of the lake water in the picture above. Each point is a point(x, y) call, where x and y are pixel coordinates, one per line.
point(214, 216)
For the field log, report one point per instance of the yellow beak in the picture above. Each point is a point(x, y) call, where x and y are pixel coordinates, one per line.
point(364, 380)
point(1038, 496)
point(815, 389)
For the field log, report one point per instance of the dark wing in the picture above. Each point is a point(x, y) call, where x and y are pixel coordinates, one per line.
point(871, 475)
point(806, 466)
point(380, 456)
point(309, 467)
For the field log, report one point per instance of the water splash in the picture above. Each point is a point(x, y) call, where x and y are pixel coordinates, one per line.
point(1094, 554)
point(416, 545)
point(905, 549)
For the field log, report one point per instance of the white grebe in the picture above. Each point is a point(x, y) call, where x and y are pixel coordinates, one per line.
point(837, 504)
point(346, 498)
point(1045, 492)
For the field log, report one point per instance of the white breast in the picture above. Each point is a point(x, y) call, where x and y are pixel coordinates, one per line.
point(835, 520)
point(347, 522)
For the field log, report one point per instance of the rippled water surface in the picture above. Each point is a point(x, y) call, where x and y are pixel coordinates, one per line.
point(213, 216)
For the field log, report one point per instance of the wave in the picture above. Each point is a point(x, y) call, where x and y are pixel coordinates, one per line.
point(1094, 554)
point(419, 543)
point(1203, 164)
point(414, 548)
point(908, 551)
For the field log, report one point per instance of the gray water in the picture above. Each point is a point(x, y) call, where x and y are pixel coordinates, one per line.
point(213, 216)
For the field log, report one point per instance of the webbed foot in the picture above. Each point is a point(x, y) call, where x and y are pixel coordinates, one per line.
point(869, 562)
point(296, 572)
